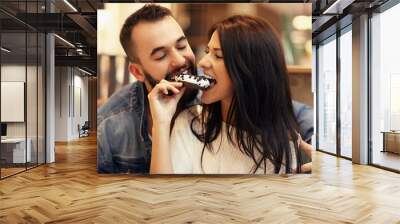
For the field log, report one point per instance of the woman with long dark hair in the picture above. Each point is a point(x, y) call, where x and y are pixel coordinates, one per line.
point(246, 123)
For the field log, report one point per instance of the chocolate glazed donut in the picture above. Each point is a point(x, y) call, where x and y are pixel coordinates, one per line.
point(193, 81)
point(189, 80)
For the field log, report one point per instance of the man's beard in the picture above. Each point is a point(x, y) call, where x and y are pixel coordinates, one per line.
point(188, 98)
point(148, 77)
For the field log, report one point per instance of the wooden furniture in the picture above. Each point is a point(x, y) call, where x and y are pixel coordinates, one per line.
point(300, 84)
point(391, 141)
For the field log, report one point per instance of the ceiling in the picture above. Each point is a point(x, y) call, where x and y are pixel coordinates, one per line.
point(78, 24)
point(73, 20)
point(330, 15)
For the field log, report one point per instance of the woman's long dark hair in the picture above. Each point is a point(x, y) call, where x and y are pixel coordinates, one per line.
point(261, 110)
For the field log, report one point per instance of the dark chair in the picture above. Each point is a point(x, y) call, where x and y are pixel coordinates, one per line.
point(84, 130)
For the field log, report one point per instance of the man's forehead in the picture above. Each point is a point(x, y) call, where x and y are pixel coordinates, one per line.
point(160, 33)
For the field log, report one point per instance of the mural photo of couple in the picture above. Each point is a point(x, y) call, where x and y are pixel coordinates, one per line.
point(228, 111)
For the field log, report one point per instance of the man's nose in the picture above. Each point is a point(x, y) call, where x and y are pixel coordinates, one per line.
point(177, 59)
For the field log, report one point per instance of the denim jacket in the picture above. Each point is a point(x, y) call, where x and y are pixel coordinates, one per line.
point(123, 142)
point(305, 118)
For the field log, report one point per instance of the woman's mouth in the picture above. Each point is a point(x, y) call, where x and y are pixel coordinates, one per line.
point(211, 80)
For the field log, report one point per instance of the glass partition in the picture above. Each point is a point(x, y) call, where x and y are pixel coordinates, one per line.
point(346, 93)
point(22, 89)
point(14, 153)
point(327, 95)
point(31, 97)
point(385, 89)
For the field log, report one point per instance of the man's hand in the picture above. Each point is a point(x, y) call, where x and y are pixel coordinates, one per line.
point(308, 149)
point(306, 168)
point(163, 106)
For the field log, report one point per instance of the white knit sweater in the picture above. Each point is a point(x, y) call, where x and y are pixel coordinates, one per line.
point(227, 159)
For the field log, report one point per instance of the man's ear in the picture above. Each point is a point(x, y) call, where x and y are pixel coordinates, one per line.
point(136, 70)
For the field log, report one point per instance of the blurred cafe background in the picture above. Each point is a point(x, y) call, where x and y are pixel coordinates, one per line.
point(291, 20)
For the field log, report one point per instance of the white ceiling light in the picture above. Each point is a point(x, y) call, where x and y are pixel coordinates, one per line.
point(70, 5)
point(65, 41)
point(5, 50)
point(338, 6)
point(84, 71)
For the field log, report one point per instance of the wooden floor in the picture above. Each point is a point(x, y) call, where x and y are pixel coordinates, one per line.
point(70, 191)
point(10, 171)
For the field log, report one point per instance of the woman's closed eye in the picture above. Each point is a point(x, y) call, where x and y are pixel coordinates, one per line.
point(219, 56)
point(214, 53)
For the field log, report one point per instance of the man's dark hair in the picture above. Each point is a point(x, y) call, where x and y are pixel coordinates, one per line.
point(148, 13)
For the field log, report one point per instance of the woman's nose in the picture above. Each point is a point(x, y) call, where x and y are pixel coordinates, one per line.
point(204, 63)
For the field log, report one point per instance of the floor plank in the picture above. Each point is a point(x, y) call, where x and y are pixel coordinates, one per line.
point(70, 191)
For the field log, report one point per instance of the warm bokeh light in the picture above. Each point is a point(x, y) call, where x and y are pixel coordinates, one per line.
point(302, 22)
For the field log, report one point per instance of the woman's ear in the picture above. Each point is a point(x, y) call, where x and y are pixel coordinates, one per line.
point(136, 70)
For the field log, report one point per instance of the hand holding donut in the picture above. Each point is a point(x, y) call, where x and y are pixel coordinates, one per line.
point(162, 104)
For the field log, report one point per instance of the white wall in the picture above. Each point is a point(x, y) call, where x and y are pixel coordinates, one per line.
point(70, 83)
point(61, 103)
point(13, 73)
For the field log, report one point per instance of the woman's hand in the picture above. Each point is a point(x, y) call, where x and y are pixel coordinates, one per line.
point(163, 106)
